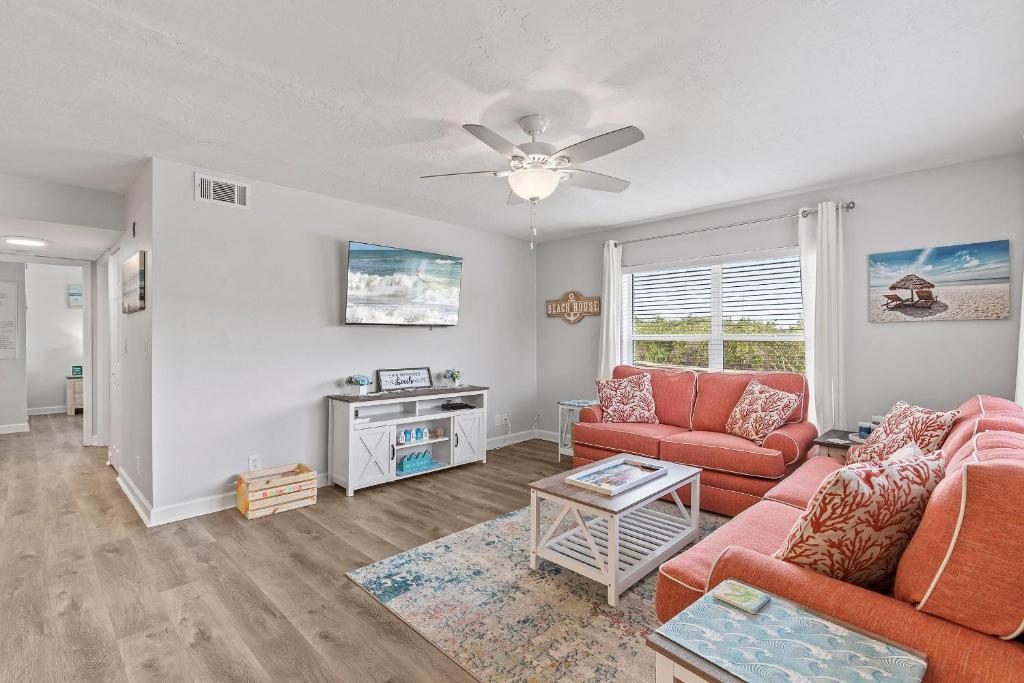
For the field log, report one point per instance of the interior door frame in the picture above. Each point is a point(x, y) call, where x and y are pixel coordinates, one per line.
point(89, 285)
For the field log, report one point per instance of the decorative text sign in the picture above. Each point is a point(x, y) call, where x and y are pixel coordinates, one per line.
point(404, 378)
point(572, 306)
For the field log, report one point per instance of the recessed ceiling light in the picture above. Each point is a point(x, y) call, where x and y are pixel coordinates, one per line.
point(25, 241)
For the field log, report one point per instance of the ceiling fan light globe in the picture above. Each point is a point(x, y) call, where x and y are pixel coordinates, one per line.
point(534, 184)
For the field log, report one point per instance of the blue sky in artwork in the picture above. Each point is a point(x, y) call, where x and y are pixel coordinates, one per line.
point(362, 246)
point(958, 264)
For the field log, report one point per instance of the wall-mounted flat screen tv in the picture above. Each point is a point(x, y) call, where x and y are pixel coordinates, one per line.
point(392, 286)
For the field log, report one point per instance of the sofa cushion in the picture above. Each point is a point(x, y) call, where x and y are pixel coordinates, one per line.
point(903, 424)
point(719, 392)
point(624, 437)
point(673, 392)
point(964, 563)
point(992, 445)
point(723, 452)
point(760, 411)
point(858, 523)
point(798, 488)
point(963, 431)
point(762, 528)
point(987, 405)
point(629, 399)
point(730, 494)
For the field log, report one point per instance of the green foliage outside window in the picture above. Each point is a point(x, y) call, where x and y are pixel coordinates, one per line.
point(737, 354)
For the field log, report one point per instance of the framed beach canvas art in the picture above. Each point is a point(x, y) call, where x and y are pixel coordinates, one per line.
point(133, 283)
point(957, 282)
point(392, 286)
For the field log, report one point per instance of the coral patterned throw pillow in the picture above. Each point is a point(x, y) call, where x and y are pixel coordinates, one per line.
point(629, 399)
point(760, 411)
point(861, 519)
point(902, 425)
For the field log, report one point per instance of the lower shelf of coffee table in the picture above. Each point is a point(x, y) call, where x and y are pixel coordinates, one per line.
point(643, 533)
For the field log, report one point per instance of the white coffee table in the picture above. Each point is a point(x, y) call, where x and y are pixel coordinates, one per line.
point(615, 540)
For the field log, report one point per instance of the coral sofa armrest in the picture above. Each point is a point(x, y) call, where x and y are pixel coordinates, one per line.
point(591, 414)
point(794, 440)
point(954, 653)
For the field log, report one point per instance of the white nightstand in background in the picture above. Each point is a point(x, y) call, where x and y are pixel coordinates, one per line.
point(568, 413)
point(73, 400)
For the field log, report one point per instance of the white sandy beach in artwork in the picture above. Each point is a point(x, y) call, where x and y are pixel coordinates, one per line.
point(955, 302)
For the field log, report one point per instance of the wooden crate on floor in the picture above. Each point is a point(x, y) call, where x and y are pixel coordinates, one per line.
point(275, 489)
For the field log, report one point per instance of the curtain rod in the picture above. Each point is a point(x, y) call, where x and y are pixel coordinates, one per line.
point(803, 213)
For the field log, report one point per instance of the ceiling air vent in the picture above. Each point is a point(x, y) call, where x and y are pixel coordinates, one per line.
point(220, 191)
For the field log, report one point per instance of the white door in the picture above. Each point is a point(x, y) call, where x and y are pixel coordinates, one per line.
point(468, 438)
point(372, 456)
point(114, 340)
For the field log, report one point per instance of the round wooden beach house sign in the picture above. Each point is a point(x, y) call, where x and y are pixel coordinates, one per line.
point(573, 306)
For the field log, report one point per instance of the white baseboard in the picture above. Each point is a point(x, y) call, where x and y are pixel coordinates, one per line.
point(48, 410)
point(546, 435)
point(135, 497)
point(14, 429)
point(202, 506)
point(508, 440)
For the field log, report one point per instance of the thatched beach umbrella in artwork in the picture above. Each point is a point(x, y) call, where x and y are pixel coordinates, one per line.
point(913, 283)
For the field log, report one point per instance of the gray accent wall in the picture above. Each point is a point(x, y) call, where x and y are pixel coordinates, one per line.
point(248, 335)
point(936, 364)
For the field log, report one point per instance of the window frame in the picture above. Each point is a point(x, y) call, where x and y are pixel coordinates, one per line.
point(717, 337)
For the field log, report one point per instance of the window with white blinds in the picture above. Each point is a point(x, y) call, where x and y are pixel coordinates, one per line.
point(743, 315)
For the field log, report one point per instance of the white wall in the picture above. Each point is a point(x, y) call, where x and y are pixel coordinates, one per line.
point(13, 416)
point(54, 334)
point(936, 364)
point(248, 336)
point(39, 200)
point(132, 439)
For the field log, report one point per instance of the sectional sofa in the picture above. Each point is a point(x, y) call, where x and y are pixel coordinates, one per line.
point(959, 589)
point(692, 410)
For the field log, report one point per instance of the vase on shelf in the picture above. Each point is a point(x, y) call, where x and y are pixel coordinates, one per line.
point(358, 390)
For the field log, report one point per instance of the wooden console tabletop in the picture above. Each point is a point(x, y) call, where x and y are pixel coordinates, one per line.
point(410, 393)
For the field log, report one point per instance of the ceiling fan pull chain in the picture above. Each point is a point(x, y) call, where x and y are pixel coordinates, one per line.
point(533, 227)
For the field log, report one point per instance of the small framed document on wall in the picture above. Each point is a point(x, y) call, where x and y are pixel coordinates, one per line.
point(404, 378)
point(9, 320)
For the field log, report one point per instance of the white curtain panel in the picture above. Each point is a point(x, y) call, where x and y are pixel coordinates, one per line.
point(611, 311)
point(821, 272)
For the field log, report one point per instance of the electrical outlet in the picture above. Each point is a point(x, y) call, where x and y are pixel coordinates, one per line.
point(497, 420)
point(254, 462)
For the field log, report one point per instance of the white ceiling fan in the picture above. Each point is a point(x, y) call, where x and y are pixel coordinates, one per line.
point(537, 168)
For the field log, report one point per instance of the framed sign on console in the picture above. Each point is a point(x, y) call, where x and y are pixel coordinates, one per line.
point(404, 378)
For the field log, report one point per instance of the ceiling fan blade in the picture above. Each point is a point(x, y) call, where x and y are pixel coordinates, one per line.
point(496, 174)
point(513, 198)
point(592, 148)
point(594, 181)
point(493, 140)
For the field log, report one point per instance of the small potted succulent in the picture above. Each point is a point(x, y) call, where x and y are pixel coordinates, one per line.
point(358, 385)
point(454, 376)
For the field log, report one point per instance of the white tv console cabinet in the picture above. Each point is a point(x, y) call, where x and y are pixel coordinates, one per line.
point(362, 433)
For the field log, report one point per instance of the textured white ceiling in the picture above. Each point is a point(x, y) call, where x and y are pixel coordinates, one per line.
point(358, 99)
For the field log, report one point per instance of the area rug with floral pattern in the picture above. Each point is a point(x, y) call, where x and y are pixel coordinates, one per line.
point(473, 595)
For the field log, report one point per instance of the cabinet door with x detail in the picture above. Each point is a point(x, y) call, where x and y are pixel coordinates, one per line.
point(372, 456)
point(468, 438)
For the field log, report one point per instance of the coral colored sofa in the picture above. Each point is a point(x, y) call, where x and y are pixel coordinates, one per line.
point(959, 589)
point(692, 408)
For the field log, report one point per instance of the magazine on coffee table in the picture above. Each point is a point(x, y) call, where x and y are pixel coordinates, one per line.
point(615, 476)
